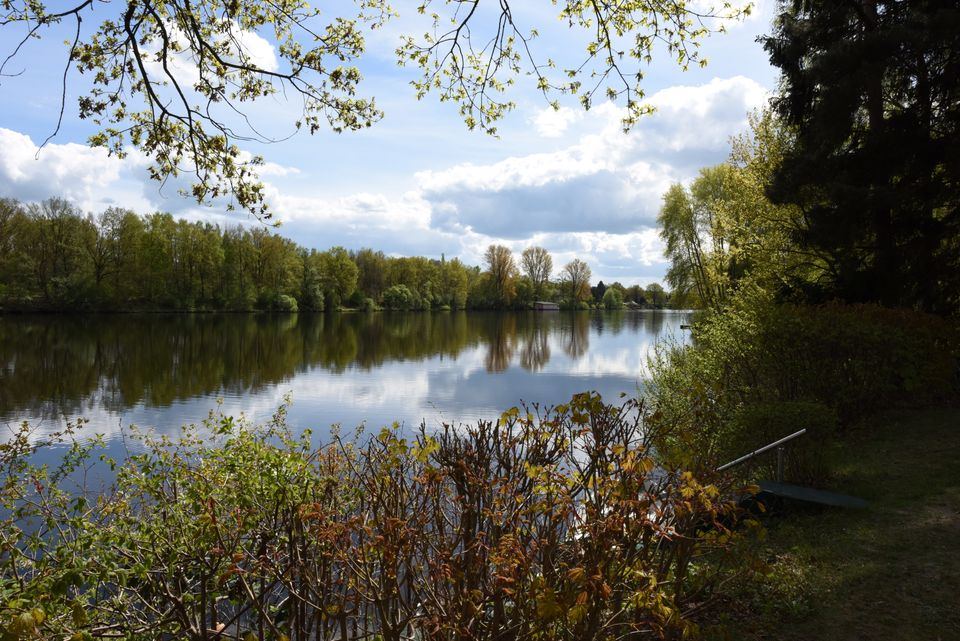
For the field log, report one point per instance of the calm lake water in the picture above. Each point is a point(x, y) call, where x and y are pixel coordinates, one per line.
point(161, 371)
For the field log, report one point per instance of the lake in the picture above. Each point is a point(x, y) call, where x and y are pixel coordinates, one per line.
point(161, 371)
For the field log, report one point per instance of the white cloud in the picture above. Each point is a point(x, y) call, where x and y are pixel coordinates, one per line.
point(627, 257)
point(703, 116)
point(79, 173)
point(607, 181)
point(361, 211)
point(180, 65)
point(274, 169)
point(256, 49)
point(242, 44)
point(269, 168)
point(553, 123)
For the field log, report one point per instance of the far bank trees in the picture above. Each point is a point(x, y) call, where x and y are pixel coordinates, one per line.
point(502, 273)
point(537, 266)
point(53, 257)
point(576, 281)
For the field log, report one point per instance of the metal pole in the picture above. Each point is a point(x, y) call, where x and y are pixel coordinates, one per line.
point(749, 456)
point(780, 464)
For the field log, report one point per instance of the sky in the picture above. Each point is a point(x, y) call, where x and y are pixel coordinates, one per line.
point(419, 182)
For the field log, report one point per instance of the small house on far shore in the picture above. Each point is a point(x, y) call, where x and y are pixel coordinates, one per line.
point(544, 306)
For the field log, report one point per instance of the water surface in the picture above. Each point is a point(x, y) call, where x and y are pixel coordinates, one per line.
point(162, 371)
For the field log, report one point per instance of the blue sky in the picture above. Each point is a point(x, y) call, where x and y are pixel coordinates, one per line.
point(418, 182)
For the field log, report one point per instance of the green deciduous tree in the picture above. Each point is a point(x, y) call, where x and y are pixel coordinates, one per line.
point(400, 297)
point(656, 295)
point(576, 281)
point(613, 298)
point(14, 274)
point(311, 287)
point(52, 258)
point(698, 237)
point(725, 229)
point(765, 234)
point(371, 272)
point(52, 250)
point(454, 284)
point(502, 272)
point(124, 232)
point(537, 265)
point(157, 256)
point(339, 274)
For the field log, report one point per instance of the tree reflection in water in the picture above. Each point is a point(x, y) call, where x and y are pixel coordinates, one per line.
point(576, 335)
point(536, 347)
point(65, 365)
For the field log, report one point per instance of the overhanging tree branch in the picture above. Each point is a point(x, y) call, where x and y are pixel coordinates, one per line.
point(139, 97)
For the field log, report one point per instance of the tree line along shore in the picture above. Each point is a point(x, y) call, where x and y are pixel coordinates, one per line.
point(55, 258)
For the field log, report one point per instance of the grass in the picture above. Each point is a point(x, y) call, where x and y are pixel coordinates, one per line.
point(891, 571)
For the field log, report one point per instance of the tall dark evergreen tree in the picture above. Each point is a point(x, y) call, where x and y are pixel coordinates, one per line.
point(873, 89)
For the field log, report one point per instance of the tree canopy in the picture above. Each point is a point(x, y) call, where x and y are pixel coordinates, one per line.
point(502, 271)
point(170, 78)
point(872, 89)
point(696, 236)
point(724, 228)
point(848, 186)
point(576, 278)
point(537, 265)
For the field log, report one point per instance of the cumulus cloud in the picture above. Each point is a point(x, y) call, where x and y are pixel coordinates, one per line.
point(274, 169)
point(553, 123)
point(567, 206)
point(629, 257)
point(703, 116)
point(362, 210)
point(242, 46)
point(395, 225)
point(607, 181)
point(255, 49)
point(79, 173)
point(269, 168)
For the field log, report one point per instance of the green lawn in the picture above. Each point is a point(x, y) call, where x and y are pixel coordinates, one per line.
point(889, 572)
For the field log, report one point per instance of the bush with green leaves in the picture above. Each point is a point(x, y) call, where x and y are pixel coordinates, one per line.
point(400, 297)
point(543, 524)
point(613, 298)
point(758, 370)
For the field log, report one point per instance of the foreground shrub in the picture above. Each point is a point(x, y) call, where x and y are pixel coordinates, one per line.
point(759, 370)
point(540, 525)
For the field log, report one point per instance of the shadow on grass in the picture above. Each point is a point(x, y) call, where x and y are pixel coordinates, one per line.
point(889, 572)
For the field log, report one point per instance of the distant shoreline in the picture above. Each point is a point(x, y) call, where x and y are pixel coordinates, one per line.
point(349, 310)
